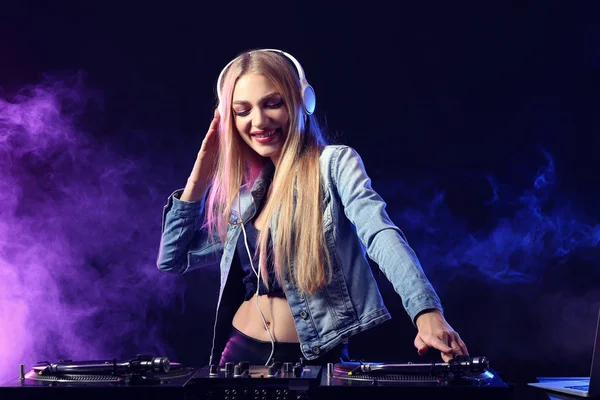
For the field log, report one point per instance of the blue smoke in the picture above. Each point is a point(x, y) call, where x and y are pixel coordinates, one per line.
point(526, 232)
point(516, 269)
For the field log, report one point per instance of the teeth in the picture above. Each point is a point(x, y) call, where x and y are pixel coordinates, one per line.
point(266, 134)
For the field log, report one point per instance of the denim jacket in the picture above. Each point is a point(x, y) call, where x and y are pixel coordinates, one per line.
point(355, 224)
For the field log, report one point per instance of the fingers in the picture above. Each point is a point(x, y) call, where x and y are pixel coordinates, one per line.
point(462, 347)
point(210, 140)
point(215, 121)
point(449, 345)
point(421, 345)
point(458, 348)
point(440, 345)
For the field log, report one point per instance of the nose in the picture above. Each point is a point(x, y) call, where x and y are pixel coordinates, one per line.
point(260, 119)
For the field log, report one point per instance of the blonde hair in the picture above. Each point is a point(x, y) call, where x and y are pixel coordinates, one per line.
point(295, 201)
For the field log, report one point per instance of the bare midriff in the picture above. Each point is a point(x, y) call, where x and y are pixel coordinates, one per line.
point(275, 311)
point(277, 317)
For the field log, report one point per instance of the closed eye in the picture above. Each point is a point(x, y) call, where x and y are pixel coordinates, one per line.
point(276, 105)
point(273, 106)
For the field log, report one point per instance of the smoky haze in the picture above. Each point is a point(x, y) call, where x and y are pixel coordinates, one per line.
point(520, 282)
point(79, 230)
point(80, 225)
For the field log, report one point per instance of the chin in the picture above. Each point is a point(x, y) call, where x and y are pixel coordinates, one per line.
point(267, 155)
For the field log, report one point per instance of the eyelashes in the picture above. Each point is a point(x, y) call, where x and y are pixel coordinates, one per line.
point(270, 106)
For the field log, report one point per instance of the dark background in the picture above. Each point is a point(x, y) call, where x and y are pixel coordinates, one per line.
point(477, 122)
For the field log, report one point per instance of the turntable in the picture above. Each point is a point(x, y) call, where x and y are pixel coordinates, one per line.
point(144, 376)
point(464, 377)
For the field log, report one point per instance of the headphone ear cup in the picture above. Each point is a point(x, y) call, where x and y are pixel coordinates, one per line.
point(309, 98)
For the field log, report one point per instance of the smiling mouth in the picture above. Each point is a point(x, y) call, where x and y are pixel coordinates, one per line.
point(266, 134)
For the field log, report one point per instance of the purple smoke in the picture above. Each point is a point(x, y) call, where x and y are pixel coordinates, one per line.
point(79, 229)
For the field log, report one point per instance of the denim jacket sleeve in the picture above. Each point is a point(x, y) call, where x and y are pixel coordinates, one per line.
point(384, 241)
point(184, 243)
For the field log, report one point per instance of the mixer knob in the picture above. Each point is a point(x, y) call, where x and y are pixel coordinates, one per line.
point(237, 370)
point(298, 370)
point(276, 365)
point(270, 371)
point(244, 365)
point(288, 367)
point(214, 369)
point(229, 367)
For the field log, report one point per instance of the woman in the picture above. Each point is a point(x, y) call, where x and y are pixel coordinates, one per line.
point(289, 219)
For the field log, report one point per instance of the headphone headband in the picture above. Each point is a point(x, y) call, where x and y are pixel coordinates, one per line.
point(306, 90)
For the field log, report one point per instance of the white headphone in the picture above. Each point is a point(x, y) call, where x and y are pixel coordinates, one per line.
point(306, 90)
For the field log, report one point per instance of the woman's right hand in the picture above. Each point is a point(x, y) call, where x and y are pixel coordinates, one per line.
point(205, 162)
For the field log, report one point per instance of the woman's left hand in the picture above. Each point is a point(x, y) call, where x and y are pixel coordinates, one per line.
point(434, 331)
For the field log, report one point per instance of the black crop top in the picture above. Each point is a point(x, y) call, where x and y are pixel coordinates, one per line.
point(250, 277)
